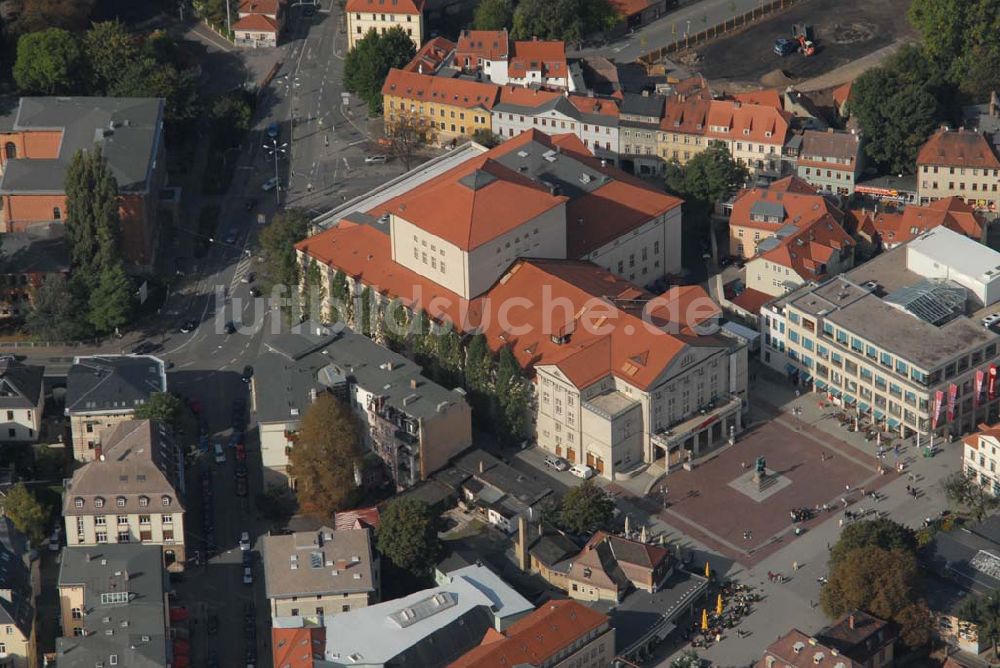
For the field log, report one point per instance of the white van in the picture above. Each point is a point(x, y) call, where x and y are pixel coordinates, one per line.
point(220, 455)
point(582, 471)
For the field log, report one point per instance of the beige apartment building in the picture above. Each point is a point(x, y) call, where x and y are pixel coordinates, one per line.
point(103, 391)
point(20, 585)
point(755, 134)
point(961, 163)
point(980, 458)
point(316, 574)
point(131, 494)
point(682, 131)
point(22, 400)
point(380, 15)
point(893, 339)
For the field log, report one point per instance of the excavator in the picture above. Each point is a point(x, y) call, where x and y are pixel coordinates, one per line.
point(802, 33)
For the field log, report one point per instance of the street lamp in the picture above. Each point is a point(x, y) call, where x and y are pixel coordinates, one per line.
point(276, 150)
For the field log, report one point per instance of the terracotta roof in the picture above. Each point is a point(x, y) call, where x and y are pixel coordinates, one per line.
point(298, 647)
point(751, 300)
point(431, 56)
point(989, 431)
point(747, 122)
point(601, 216)
point(958, 148)
point(485, 44)
point(797, 650)
point(256, 23)
point(429, 88)
point(535, 639)
point(522, 96)
point(768, 98)
point(791, 198)
point(857, 635)
point(951, 212)
point(359, 518)
point(594, 105)
point(270, 7)
point(842, 93)
point(792, 184)
point(628, 8)
point(387, 6)
point(687, 115)
point(859, 222)
point(695, 86)
point(808, 250)
point(549, 57)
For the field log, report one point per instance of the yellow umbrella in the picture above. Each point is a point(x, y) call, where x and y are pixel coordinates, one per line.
point(718, 605)
point(708, 570)
point(704, 619)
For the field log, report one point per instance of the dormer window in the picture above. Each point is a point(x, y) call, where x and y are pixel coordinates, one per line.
point(165, 500)
point(99, 502)
point(143, 501)
point(120, 501)
point(78, 502)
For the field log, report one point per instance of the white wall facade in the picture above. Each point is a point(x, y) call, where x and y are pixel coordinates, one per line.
point(20, 424)
point(600, 138)
point(646, 253)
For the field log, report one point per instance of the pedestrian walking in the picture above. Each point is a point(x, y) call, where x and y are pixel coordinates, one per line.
point(744, 465)
point(840, 522)
point(795, 565)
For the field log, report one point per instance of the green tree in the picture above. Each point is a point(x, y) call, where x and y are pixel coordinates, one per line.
point(92, 209)
point(569, 20)
point(943, 25)
point(57, 311)
point(49, 62)
point(883, 533)
point(478, 363)
point(493, 15)
point(512, 396)
point(277, 243)
point(27, 514)
point(111, 300)
point(407, 536)
point(366, 306)
point(688, 659)
point(163, 407)
point(984, 612)
point(108, 46)
point(231, 117)
point(340, 297)
point(37, 15)
point(881, 582)
point(145, 77)
point(324, 457)
point(313, 294)
point(368, 63)
point(585, 509)
point(896, 116)
point(964, 492)
point(485, 137)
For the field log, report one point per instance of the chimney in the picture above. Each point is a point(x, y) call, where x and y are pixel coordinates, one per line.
point(413, 383)
point(482, 466)
point(523, 561)
point(850, 622)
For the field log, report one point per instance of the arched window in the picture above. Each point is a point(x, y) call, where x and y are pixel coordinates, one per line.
point(10, 150)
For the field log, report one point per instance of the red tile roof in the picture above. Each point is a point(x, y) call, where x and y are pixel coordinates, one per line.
point(989, 431)
point(685, 115)
point(628, 8)
point(431, 56)
point(797, 650)
point(387, 6)
point(298, 647)
point(797, 199)
point(594, 105)
point(792, 184)
point(951, 212)
point(270, 7)
point(537, 55)
point(523, 96)
point(958, 148)
point(842, 93)
point(768, 98)
point(485, 44)
point(359, 518)
point(256, 23)
point(429, 88)
point(535, 639)
point(751, 300)
point(610, 211)
point(747, 122)
point(808, 251)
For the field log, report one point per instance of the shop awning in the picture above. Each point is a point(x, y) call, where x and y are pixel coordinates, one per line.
point(835, 392)
point(849, 400)
point(879, 415)
point(894, 423)
point(863, 407)
point(820, 385)
point(790, 368)
point(807, 377)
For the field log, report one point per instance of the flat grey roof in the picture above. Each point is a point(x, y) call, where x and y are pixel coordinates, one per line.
point(301, 360)
point(39, 249)
point(128, 130)
point(486, 468)
point(642, 613)
point(133, 629)
point(844, 301)
point(321, 562)
point(610, 404)
point(643, 105)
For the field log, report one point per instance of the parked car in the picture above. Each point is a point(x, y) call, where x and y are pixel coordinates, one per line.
point(232, 235)
point(144, 348)
point(271, 184)
point(247, 559)
point(248, 576)
point(245, 541)
point(247, 374)
point(376, 159)
point(582, 471)
point(251, 204)
point(230, 328)
point(54, 540)
point(991, 319)
point(241, 452)
point(557, 463)
point(255, 291)
point(785, 47)
point(241, 485)
point(248, 277)
point(189, 326)
point(220, 454)
point(273, 130)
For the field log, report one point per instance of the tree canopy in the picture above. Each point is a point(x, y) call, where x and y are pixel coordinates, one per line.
point(965, 493)
point(163, 407)
point(984, 612)
point(323, 459)
point(27, 514)
point(960, 36)
point(36, 15)
point(585, 509)
point(569, 20)
point(407, 536)
point(369, 62)
point(883, 533)
point(277, 242)
point(57, 310)
point(108, 46)
point(49, 62)
point(493, 15)
point(707, 178)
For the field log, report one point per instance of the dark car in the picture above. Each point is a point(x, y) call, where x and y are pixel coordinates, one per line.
point(230, 328)
point(251, 204)
point(255, 291)
point(232, 236)
point(273, 130)
point(189, 326)
point(144, 348)
point(784, 47)
point(247, 374)
point(309, 10)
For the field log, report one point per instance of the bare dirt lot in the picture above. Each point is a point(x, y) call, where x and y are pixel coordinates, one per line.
point(844, 30)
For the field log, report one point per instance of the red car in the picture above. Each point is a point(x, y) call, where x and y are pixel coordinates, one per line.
point(195, 406)
point(241, 452)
